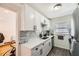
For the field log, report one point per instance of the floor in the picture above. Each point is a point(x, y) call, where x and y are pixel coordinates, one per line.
point(59, 52)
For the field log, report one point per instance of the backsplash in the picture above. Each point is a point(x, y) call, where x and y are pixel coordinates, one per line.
point(26, 35)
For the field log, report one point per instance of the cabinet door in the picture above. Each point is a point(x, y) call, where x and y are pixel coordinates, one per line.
point(37, 22)
point(37, 51)
point(48, 24)
point(44, 20)
point(47, 47)
point(28, 21)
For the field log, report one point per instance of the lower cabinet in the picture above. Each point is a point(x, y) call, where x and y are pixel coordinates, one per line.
point(37, 51)
point(47, 47)
point(41, 50)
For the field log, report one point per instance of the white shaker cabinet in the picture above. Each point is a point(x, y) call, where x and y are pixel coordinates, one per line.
point(46, 21)
point(40, 50)
point(43, 49)
point(47, 47)
point(31, 18)
point(27, 18)
point(37, 22)
point(37, 51)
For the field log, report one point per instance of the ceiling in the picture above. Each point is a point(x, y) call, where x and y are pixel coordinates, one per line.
point(47, 10)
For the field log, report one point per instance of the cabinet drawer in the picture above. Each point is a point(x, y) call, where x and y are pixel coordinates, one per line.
point(37, 51)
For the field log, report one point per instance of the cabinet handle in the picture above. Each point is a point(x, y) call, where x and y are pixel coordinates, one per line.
point(36, 49)
point(41, 51)
point(43, 44)
point(49, 43)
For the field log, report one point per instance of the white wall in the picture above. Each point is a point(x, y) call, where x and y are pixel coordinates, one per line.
point(7, 24)
point(66, 19)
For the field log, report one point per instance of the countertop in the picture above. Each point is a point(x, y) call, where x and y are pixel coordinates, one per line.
point(33, 42)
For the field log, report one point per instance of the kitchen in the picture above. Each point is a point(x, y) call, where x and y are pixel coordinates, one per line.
point(46, 29)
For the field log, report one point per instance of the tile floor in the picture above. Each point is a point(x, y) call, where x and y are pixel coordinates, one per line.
point(59, 52)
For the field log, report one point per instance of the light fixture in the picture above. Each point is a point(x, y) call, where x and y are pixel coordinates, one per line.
point(57, 6)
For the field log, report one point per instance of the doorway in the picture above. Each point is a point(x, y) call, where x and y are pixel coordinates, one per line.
point(10, 29)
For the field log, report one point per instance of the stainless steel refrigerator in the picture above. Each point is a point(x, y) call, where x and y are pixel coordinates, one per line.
point(75, 49)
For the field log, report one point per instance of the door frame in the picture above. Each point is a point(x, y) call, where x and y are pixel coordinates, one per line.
point(17, 9)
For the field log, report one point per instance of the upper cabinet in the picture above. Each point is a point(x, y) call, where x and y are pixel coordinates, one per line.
point(45, 23)
point(28, 18)
point(38, 18)
point(32, 20)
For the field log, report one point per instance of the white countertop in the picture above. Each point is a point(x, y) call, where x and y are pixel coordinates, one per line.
point(34, 42)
